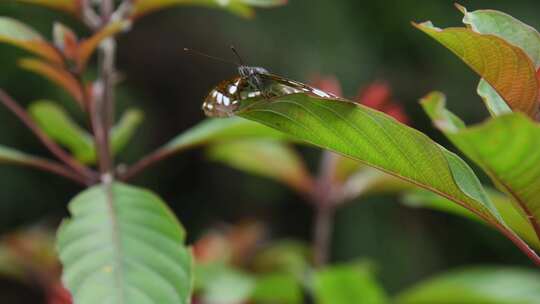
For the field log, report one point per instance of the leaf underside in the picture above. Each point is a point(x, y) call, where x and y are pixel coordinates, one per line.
point(123, 245)
point(378, 140)
point(506, 67)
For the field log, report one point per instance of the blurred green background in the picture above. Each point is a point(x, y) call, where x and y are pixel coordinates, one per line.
point(358, 41)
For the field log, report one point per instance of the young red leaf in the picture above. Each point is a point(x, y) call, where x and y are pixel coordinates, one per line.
point(22, 36)
point(57, 75)
point(88, 46)
point(65, 40)
point(68, 6)
point(506, 67)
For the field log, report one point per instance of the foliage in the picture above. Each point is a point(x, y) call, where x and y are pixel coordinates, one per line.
point(121, 244)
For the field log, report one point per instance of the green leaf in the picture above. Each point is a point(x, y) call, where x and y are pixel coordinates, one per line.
point(286, 256)
point(280, 288)
point(217, 131)
point(268, 158)
point(10, 155)
point(505, 147)
point(22, 36)
point(506, 67)
point(377, 140)
point(506, 27)
point(219, 283)
point(515, 220)
point(124, 130)
point(347, 284)
point(123, 245)
point(493, 101)
point(510, 29)
point(56, 123)
point(486, 285)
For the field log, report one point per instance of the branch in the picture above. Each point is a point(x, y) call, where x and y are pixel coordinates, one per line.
point(102, 107)
point(145, 162)
point(107, 9)
point(89, 16)
point(57, 168)
point(88, 174)
point(324, 209)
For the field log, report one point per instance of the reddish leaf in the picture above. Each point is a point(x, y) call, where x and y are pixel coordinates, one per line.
point(88, 46)
point(378, 96)
point(65, 40)
point(57, 75)
point(20, 35)
point(68, 6)
point(506, 67)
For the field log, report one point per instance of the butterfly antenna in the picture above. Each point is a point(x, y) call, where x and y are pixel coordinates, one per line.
point(194, 52)
point(237, 55)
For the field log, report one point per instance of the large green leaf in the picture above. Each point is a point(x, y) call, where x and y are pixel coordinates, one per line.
point(377, 140)
point(506, 67)
point(20, 35)
point(511, 216)
point(347, 284)
point(510, 29)
point(123, 245)
point(269, 158)
point(485, 285)
point(505, 147)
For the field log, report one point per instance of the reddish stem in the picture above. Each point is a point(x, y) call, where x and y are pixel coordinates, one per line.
point(324, 209)
point(144, 163)
point(88, 174)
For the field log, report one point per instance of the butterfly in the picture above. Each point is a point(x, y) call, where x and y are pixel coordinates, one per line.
point(252, 82)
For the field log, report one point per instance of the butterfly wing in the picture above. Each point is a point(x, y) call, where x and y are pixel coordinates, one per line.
point(277, 86)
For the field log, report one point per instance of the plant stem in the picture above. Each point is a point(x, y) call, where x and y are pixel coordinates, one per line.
point(85, 172)
point(89, 16)
point(102, 106)
point(324, 209)
point(324, 216)
point(107, 8)
point(57, 168)
point(143, 163)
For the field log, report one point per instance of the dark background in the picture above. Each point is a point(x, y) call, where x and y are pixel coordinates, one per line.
point(358, 41)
